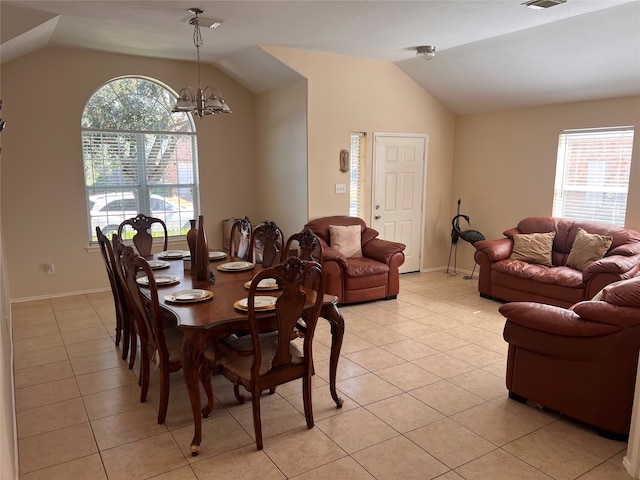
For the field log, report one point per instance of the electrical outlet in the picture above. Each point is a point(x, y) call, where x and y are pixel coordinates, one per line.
point(341, 188)
point(51, 268)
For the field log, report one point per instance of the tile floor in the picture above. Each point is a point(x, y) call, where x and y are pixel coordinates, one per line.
point(422, 378)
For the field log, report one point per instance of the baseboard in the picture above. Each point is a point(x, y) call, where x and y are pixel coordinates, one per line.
point(58, 295)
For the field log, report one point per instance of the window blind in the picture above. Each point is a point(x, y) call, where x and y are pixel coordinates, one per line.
point(356, 175)
point(592, 174)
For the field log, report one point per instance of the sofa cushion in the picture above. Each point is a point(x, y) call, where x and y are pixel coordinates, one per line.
point(587, 248)
point(533, 248)
point(561, 276)
point(346, 239)
point(366, 267)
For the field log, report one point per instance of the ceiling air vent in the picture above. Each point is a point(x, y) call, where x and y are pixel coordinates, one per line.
point(542, 4)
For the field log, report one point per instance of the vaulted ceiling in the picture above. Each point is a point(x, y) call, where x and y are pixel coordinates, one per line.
point(491, 54)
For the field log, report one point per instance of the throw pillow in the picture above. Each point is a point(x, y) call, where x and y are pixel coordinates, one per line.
point(346, 239)
point(533, 247)
point(587, 248)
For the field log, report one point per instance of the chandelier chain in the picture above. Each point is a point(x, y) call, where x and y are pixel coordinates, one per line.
point(197, 42)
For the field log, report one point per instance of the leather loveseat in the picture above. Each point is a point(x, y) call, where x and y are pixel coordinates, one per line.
point(369, 274)
point(581, 361)
point(510, 277)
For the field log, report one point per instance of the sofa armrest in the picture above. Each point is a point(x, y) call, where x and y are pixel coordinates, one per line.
point(495, 250)
point(613, 264)
point(331, 254)
point(554, 320)
point(382, 250)
point(607, 313)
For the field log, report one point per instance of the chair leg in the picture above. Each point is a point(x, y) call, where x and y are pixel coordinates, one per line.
point(144, 378)
point(119, 328)
point(257, 422)
point(306, 398)
point(164, 394)
point(133, 343)
point(236, 391)
point(123, 329)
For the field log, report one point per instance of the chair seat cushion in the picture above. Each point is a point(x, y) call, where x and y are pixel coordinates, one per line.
point(363, 266)
point(237, 368)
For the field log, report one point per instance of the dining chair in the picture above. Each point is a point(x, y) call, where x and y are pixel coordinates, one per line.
point(240, 238)
point(127, 304)
point(305, 245)
point(160, 339)
point(267, 241)
point(143, 240)
point(263, 360)
point(122, 320)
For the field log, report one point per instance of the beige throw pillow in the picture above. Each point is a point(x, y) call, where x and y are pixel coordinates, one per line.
point(533, 247)
point(346, 239)
point(587, 248)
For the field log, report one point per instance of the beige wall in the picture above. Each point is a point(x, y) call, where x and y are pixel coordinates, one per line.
point(503, 167)
point(43, 197)
point(347, 94)
point(281, 158)
point(8, 447)
point(505, 162)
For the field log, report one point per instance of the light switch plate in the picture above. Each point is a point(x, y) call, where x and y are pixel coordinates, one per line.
point(341, 188)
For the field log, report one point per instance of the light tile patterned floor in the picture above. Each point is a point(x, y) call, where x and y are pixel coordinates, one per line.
point(422, 378)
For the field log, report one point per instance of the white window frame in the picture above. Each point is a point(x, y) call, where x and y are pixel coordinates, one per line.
point(171, 152)
point(592, 174)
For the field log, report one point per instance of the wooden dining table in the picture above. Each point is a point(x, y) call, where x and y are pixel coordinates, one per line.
point(204, 321)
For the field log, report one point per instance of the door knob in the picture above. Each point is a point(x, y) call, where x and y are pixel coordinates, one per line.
point(378, 217)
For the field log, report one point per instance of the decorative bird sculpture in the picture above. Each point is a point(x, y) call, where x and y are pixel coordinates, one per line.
point(470, 236)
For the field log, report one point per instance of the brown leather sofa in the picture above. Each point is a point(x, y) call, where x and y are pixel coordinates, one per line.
point(580, 361)
point(507, 279)
point(372, 276)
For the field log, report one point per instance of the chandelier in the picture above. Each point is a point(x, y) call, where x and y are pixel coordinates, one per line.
point(201, 102)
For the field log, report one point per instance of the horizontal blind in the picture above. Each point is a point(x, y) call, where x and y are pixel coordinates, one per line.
point(356, 176)
point(592, 174)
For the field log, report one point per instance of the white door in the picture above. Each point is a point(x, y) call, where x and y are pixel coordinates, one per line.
point(399, 172)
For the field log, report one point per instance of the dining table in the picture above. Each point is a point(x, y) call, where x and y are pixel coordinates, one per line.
point(207, 310)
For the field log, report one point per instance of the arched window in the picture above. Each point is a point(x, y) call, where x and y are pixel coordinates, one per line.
point(138, 156)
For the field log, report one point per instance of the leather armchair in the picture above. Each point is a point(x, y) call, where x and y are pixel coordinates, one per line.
point(359, 279)
point(581, 361)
